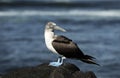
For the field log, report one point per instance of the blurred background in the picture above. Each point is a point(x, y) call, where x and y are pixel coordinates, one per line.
point(93, 24)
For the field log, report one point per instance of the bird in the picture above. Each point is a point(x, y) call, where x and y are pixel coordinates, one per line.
point(63, 46)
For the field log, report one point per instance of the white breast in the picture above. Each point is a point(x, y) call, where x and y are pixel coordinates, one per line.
point(49, 37)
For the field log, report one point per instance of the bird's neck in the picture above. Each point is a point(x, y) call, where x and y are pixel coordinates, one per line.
point(49, 34)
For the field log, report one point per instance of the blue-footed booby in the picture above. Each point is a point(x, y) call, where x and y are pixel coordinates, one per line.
point(63, 46)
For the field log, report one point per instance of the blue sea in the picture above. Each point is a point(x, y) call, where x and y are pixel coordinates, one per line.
point(93, 24)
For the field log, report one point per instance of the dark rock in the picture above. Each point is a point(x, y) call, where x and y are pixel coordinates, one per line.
point(78, 74)
point(66, 70)
point(89, 74)
point(0, 75)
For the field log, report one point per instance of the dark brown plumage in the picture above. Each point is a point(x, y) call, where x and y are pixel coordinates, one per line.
point(67, 48)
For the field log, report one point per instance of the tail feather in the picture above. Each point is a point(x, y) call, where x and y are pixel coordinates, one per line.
point(89, 59)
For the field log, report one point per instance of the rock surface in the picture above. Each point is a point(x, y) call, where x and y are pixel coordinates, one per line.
point(66, 70)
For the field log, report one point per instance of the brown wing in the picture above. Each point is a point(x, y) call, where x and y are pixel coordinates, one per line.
point(67, 48)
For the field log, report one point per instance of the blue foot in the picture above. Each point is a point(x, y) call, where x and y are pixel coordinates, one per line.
point(56, 64)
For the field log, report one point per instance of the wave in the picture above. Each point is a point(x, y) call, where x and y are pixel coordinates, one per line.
point(93, 13)
point(61, 3)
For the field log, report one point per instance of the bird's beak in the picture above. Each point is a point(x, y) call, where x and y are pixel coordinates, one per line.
point(59, 28)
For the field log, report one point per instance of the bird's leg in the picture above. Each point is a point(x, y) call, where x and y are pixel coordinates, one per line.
point(61, 60)
point(58, 63)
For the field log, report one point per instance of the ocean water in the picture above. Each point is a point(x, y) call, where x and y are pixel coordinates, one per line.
point(93, 25)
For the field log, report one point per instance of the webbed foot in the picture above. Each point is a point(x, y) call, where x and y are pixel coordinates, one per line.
point(58, 63)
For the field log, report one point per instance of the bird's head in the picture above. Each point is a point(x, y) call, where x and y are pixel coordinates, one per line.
point(52, 26)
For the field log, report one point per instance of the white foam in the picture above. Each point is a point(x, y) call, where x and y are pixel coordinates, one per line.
point(98, 13)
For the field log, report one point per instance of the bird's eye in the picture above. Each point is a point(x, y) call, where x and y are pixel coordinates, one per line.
point(51, 26)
